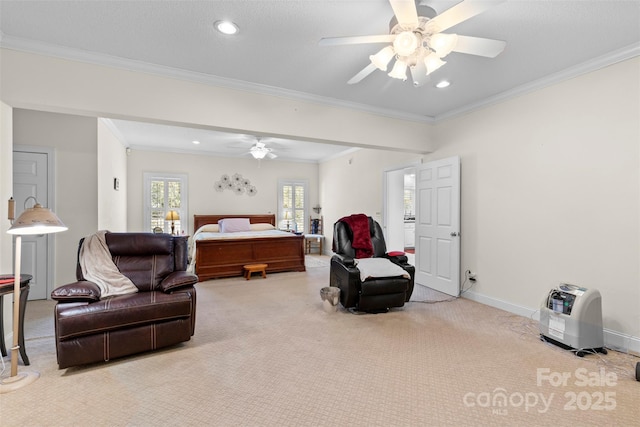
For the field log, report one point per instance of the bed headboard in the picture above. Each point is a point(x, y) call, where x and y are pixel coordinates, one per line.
point(200, 220)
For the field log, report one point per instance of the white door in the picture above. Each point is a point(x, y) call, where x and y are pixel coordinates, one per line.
point(438, 225)
point(30, 178)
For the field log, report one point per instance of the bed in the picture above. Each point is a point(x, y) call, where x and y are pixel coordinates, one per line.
point(215, 257)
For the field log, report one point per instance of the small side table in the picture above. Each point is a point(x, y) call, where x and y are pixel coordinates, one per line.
point(24, 294)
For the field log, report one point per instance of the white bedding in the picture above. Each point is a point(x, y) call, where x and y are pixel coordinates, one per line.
point(200, 235)
point(205, 235)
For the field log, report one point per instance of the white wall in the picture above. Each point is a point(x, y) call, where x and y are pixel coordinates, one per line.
point(204, 171)
point(354, 184)
point(6, 191)
point(112, 163)
point(550, 193)
point(74, 139)
point(50, 84)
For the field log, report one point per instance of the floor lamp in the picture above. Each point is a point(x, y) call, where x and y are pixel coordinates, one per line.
point(33, 221)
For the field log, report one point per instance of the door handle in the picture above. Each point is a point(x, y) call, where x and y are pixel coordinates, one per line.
point(454, 234)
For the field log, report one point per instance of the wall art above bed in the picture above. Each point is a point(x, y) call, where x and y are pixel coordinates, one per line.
point(236, 183)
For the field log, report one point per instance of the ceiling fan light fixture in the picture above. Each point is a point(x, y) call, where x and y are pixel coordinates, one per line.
point(443, 44)
point(399, 70)
point(259, 153)
point(381, 59)
point(433, 62)
point(406, 43)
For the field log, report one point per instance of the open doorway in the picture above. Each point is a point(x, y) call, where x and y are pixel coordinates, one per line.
point(399, 210)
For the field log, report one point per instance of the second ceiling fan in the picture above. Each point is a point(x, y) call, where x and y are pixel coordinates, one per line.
point(418, 42)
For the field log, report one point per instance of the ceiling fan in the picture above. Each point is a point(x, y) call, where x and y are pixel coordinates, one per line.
point(417, 40)
point(258, 145)
point(260, 151)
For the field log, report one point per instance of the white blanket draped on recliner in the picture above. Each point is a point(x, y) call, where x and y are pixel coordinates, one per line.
point(98, 267)
point(379, 267)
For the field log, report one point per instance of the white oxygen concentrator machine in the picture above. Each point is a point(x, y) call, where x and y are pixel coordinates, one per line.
point(571, 317)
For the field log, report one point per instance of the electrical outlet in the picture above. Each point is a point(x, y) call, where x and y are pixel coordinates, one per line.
point(471, 275)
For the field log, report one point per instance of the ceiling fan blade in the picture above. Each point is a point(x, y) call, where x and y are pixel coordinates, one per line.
point(334, 41)
point(461, 12)
point(405, 12)
point(362, 74)
point(271, 155)
point(479, 46)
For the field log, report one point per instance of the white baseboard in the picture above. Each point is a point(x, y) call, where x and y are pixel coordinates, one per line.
point(612, 339)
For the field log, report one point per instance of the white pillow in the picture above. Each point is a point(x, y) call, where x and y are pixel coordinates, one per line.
point(233, 225)
point(262, 226)
point(210, 228)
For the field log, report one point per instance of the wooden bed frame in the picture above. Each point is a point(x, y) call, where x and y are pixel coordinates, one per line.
point(225, 258)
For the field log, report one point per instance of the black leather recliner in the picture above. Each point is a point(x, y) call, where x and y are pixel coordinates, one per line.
point(373, 294)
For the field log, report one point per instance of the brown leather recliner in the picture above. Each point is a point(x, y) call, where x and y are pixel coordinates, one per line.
point(162, 313)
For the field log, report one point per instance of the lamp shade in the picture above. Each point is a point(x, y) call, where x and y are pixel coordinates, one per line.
point(399, 70)
point(433, 62)
point(37, 220)
point(381, 59)
point(406, 43)
point(443, 44)
point(258, 153)
point(172, 216)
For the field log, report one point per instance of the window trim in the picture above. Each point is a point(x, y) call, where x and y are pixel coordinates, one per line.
point(301, 182)
point(184, 199)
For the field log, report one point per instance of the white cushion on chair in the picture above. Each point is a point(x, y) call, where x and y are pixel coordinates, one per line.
point(371, 268)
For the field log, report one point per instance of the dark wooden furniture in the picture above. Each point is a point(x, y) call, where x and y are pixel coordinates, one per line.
point(24, 294)
point(314, 237)
point(227, 257)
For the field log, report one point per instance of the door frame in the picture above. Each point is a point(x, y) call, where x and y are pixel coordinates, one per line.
point(50, 203)
point(385, 196)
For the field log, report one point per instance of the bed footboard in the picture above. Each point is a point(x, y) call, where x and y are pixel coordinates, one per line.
point(226, 258)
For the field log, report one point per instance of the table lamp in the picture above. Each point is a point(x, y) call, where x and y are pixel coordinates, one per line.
point(286, 218)
point(172, 216)
point(35, 220)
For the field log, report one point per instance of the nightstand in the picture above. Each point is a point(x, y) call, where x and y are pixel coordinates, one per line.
point(7, 289)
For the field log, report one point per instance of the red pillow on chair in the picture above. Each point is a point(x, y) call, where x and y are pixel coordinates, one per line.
point(395, 253)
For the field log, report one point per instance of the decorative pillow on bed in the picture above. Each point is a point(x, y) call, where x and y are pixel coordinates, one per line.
point(232, 225)
point(210, 228)
point(262, 226)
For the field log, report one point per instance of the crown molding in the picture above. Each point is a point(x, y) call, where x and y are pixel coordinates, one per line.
point(20, 44)
point(57, 51)
point(115, 131)
point(595, 64)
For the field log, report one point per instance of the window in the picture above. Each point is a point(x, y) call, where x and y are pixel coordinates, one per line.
point(163, 193)
point(292, 205)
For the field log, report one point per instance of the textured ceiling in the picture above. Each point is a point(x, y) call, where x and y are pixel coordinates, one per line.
point(277, 46)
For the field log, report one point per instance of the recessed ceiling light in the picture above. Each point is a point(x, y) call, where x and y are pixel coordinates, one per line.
point(443, 84)
point(226, 27)
point(196, 142)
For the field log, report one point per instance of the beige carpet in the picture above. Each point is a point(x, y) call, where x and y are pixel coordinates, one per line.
point(266, 354)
